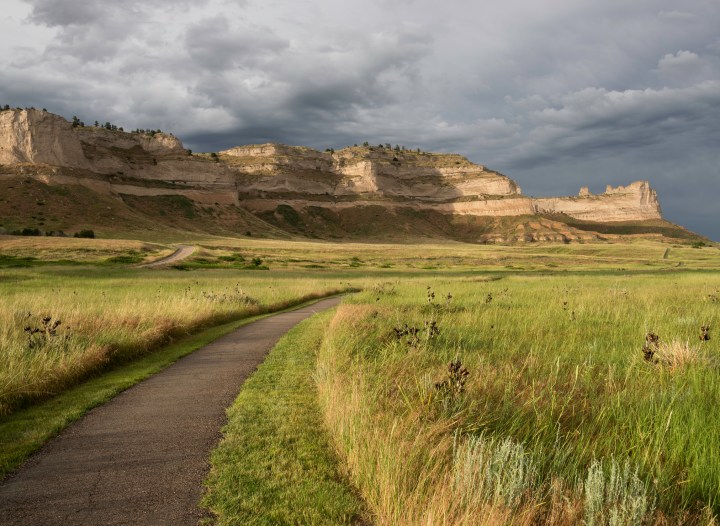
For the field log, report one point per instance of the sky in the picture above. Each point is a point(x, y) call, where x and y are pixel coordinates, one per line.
point(556, 95)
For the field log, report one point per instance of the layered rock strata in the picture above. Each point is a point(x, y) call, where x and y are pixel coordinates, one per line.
point(110, 161)
point(262, 177)
point(634, 202)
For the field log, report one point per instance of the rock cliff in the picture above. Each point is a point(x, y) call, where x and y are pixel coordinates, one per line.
point(31, 136)
point(110, 161)
point(329, 186)
point(269, 173)
point(634, 202)
point(365, 172)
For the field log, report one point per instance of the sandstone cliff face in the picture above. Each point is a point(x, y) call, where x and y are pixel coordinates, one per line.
point(262, 177)
point(39, 137)
point(132, 163)
point(268, 174)
point(635, 202)
point(364, 172)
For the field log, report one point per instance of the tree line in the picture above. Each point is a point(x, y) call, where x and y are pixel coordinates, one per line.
point(76, 122)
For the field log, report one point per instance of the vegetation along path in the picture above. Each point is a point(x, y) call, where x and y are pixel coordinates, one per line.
point(142, 457)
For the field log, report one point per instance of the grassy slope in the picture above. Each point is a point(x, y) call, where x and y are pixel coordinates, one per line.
point(274, 464)
point(655, 226)
point(71, 208)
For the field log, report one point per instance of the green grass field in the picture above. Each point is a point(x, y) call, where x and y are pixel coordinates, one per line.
point(549, 414)
point(60, 324)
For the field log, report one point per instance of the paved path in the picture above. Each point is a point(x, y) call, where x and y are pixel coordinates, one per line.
point(141, 458)
point(182, 252)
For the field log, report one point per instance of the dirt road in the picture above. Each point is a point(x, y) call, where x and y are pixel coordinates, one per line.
point(182, 252)
point(141, 458)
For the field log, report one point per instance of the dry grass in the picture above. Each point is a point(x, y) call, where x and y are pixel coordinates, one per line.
point(678, 354)
point(112, 316)
point(560, 420)
point(75, 249)
point(628, 255)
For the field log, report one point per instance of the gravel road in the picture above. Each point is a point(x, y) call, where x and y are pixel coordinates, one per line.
point(182, 252)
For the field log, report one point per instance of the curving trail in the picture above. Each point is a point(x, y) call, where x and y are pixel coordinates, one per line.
point(142, 457)
point(181, 253)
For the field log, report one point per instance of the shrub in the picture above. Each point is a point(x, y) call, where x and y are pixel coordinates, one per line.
point(617, 497)
point(289, 214)
point(27, 232)
point(491, 471)
point(89, 234)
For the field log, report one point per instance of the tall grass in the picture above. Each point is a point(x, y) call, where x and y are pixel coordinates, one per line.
point(113, 317)
point(560, 420)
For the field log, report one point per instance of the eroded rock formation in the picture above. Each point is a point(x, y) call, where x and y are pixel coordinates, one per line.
point(634, 202)
point(262, 178)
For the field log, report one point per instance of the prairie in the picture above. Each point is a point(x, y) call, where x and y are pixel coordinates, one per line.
point(59, 324)
point(528, 398)
point(466, 384)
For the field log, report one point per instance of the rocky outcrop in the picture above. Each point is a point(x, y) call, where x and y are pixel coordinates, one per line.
point(39, 137)
point(268, 174)
point(111, 161)
point(364, 172)
point(263, 177)
point(635, 202)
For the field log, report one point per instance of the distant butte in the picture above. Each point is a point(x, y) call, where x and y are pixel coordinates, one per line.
point(361, 191)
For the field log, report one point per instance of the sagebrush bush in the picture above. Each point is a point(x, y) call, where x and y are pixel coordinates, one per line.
point(616, 496)
point(491, 471)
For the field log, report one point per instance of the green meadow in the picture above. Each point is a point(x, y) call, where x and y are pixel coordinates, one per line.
point(529, 399)
point(463, 384)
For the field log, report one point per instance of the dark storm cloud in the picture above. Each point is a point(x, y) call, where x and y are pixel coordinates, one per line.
point(94, 31)
point(279, 91)
point(73, 12)
point(597, 121)
point(580, 92)
point(215, 45)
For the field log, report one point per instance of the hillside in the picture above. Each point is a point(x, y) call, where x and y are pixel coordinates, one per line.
point(57, 176)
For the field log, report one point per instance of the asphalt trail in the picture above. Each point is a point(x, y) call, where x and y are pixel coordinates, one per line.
point(181, 253)
point(142, 457)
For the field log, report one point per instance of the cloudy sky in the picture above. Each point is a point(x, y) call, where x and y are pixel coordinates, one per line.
point(557, 94)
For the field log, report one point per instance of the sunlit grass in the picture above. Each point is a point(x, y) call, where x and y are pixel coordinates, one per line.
point(112, 316)
point(556, 367)
point(274, 464)
point(559, 420)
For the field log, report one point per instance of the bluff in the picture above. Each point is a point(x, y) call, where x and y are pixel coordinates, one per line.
point(447, 183)
point(634, 202)
point(109, 161)
point(361, 190)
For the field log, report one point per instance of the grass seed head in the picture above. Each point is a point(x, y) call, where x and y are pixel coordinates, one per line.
point(454, 382)
point(705, 333)
point(652, 343)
